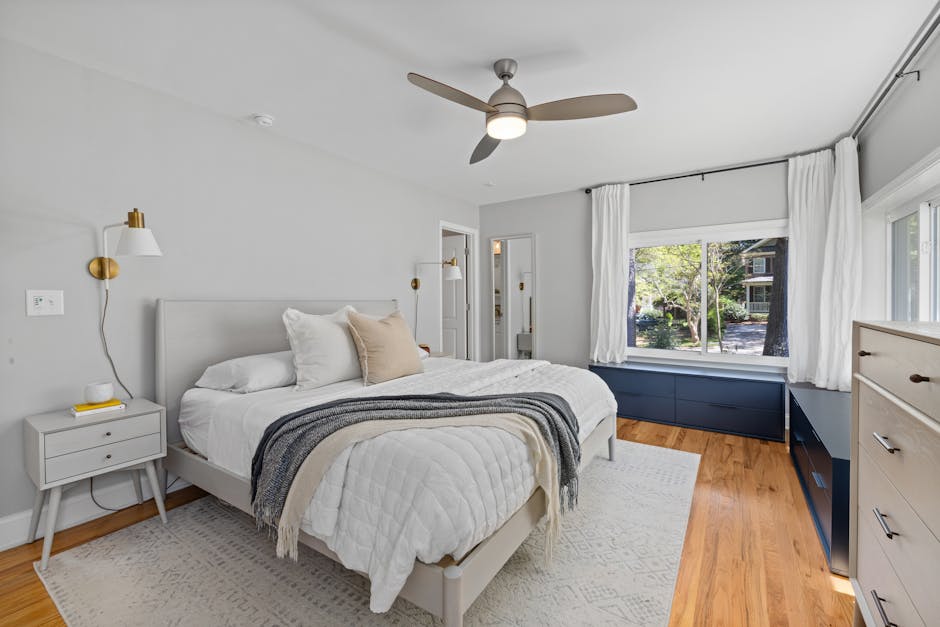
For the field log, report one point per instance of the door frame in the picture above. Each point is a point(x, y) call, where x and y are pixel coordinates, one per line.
point(491, 322)
point(473, 286)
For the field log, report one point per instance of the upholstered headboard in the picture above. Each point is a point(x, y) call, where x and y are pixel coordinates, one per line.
point(194, 334)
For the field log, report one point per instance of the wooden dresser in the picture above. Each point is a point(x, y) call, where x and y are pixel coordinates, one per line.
point(894, 558)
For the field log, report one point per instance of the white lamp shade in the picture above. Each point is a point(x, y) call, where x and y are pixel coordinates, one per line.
point(452, 273)
point(138, 242)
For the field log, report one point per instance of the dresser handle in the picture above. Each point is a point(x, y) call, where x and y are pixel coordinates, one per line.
point(108, 434)
point(108, 456)
point(884, 524)
point(819, 480)
point(863, 353)
point(916, 378)
point(883, 441)
point(881, 610)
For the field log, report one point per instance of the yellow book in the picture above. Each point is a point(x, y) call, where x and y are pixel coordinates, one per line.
point(82, 407)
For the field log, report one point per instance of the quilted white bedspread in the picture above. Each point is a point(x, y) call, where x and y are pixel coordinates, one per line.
point(419, 493)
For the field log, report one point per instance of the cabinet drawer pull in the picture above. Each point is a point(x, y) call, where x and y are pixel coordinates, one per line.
point(881, 610)
point(884, 524)
point(108, 434)
point(916, 378)
point(863, 353)
point(108, 456)
point(723, 405)
point(820, 482)
point(883, 441)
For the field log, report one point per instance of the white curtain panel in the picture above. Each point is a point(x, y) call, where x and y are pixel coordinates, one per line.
point(809, 191)
point(840, 291)
point(610, 227)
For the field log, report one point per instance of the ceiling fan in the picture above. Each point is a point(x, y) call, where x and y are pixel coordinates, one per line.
point(507, 114)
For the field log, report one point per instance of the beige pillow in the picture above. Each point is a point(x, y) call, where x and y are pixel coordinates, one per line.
point(386, 347)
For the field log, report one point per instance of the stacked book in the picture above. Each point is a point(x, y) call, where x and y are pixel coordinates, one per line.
point(89, 409)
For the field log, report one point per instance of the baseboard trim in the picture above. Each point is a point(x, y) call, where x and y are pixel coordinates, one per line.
point(76, 508)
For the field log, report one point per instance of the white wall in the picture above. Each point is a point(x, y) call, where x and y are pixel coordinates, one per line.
point(562, 226)
point(238, 211)
point(905, 129)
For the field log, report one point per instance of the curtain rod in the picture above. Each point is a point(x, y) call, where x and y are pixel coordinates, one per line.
point(701, 173)
point(901, 70)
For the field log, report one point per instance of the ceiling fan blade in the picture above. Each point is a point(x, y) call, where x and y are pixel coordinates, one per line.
point(452, 94)
point(582, 107)
point(484, 149)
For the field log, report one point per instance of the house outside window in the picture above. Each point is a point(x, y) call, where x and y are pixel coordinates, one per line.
point(696, 295)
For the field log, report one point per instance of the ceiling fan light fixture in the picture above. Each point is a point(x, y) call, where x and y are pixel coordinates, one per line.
point(506, 125)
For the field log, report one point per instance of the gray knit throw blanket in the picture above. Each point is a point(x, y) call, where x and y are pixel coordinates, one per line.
point(287, 441)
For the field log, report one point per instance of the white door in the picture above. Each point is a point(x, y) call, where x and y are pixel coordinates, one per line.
point(454, 299)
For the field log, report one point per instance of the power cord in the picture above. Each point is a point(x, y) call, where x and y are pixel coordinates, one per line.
point(91, 490)
point(104, 343)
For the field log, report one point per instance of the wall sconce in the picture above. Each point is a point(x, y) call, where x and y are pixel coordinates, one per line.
point(451, 271)
point(136, 241)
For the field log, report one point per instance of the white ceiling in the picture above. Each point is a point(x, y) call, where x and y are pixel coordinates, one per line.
point(717, 82)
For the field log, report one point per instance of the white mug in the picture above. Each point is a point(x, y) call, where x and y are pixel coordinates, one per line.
point(99, 392)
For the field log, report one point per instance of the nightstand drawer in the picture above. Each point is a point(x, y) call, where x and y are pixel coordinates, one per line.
point(99, 434)
point(102, 457)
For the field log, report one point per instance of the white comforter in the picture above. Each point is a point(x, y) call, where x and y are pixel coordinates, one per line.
point(419, 493)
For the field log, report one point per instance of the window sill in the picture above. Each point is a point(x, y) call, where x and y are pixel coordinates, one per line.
point(757, 363)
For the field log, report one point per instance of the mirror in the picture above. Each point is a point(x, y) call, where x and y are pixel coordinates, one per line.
point(513, 290)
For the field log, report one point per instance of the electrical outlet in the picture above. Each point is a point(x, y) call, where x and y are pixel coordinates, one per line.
point(45, 303)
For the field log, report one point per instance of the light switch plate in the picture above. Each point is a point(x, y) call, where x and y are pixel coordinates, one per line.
point(45, 303)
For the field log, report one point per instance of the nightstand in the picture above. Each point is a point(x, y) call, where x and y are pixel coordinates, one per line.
point(62, 449)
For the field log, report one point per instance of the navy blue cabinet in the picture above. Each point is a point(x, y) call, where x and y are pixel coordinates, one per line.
point(730, 401)
point(820, 438)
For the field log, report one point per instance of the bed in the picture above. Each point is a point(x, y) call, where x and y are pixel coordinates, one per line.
point(213, 437)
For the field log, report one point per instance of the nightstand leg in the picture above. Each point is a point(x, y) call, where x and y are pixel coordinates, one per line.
point(155, 486)
point(34, 519)
point(135, 475)
point(55, 495)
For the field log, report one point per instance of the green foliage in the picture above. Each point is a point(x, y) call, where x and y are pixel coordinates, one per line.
point(662, 335)
point(759, 317)
point(732, 311)
point(713, 324)
point(649, 313)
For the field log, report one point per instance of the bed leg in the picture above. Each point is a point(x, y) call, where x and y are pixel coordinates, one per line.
point(453, 597)
point(612, 440)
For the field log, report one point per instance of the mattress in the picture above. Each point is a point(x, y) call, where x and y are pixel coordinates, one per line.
point(411, 494)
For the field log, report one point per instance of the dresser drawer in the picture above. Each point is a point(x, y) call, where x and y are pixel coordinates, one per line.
point(101, 457)
point(892, 361)
point(914, 467)
point(912, 549)
point(638, 382)
point(731, 419)
point(738, 392)
point(875, 575)
point(658, 408)
point(98, 434)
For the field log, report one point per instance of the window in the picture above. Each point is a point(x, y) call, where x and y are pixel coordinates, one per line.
point(731, 281)
point(915, 264)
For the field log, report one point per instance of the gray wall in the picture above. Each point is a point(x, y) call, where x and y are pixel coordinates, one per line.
point(562, 226)
point(906, 128)
point(238, 211)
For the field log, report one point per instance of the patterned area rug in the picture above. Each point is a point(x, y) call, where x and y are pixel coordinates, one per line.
point(616, 564)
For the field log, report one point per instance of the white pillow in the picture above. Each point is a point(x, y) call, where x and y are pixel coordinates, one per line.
point(250, 374)
point(324, 351)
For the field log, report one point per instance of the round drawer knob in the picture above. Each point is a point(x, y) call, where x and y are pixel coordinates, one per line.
point(916, 378)
point(108, 434)
point(108, 456)
point(863, 353)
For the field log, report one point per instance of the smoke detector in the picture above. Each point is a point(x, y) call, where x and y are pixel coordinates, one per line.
point(263, 119)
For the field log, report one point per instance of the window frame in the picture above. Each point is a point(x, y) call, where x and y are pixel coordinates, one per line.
point(703, 235)
point(928, 272)
point(763, 265)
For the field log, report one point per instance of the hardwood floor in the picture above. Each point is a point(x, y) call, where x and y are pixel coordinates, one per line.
point(23, 599)
point(751, 555)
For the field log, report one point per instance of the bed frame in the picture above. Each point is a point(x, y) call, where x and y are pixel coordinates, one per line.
point(193, 334)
